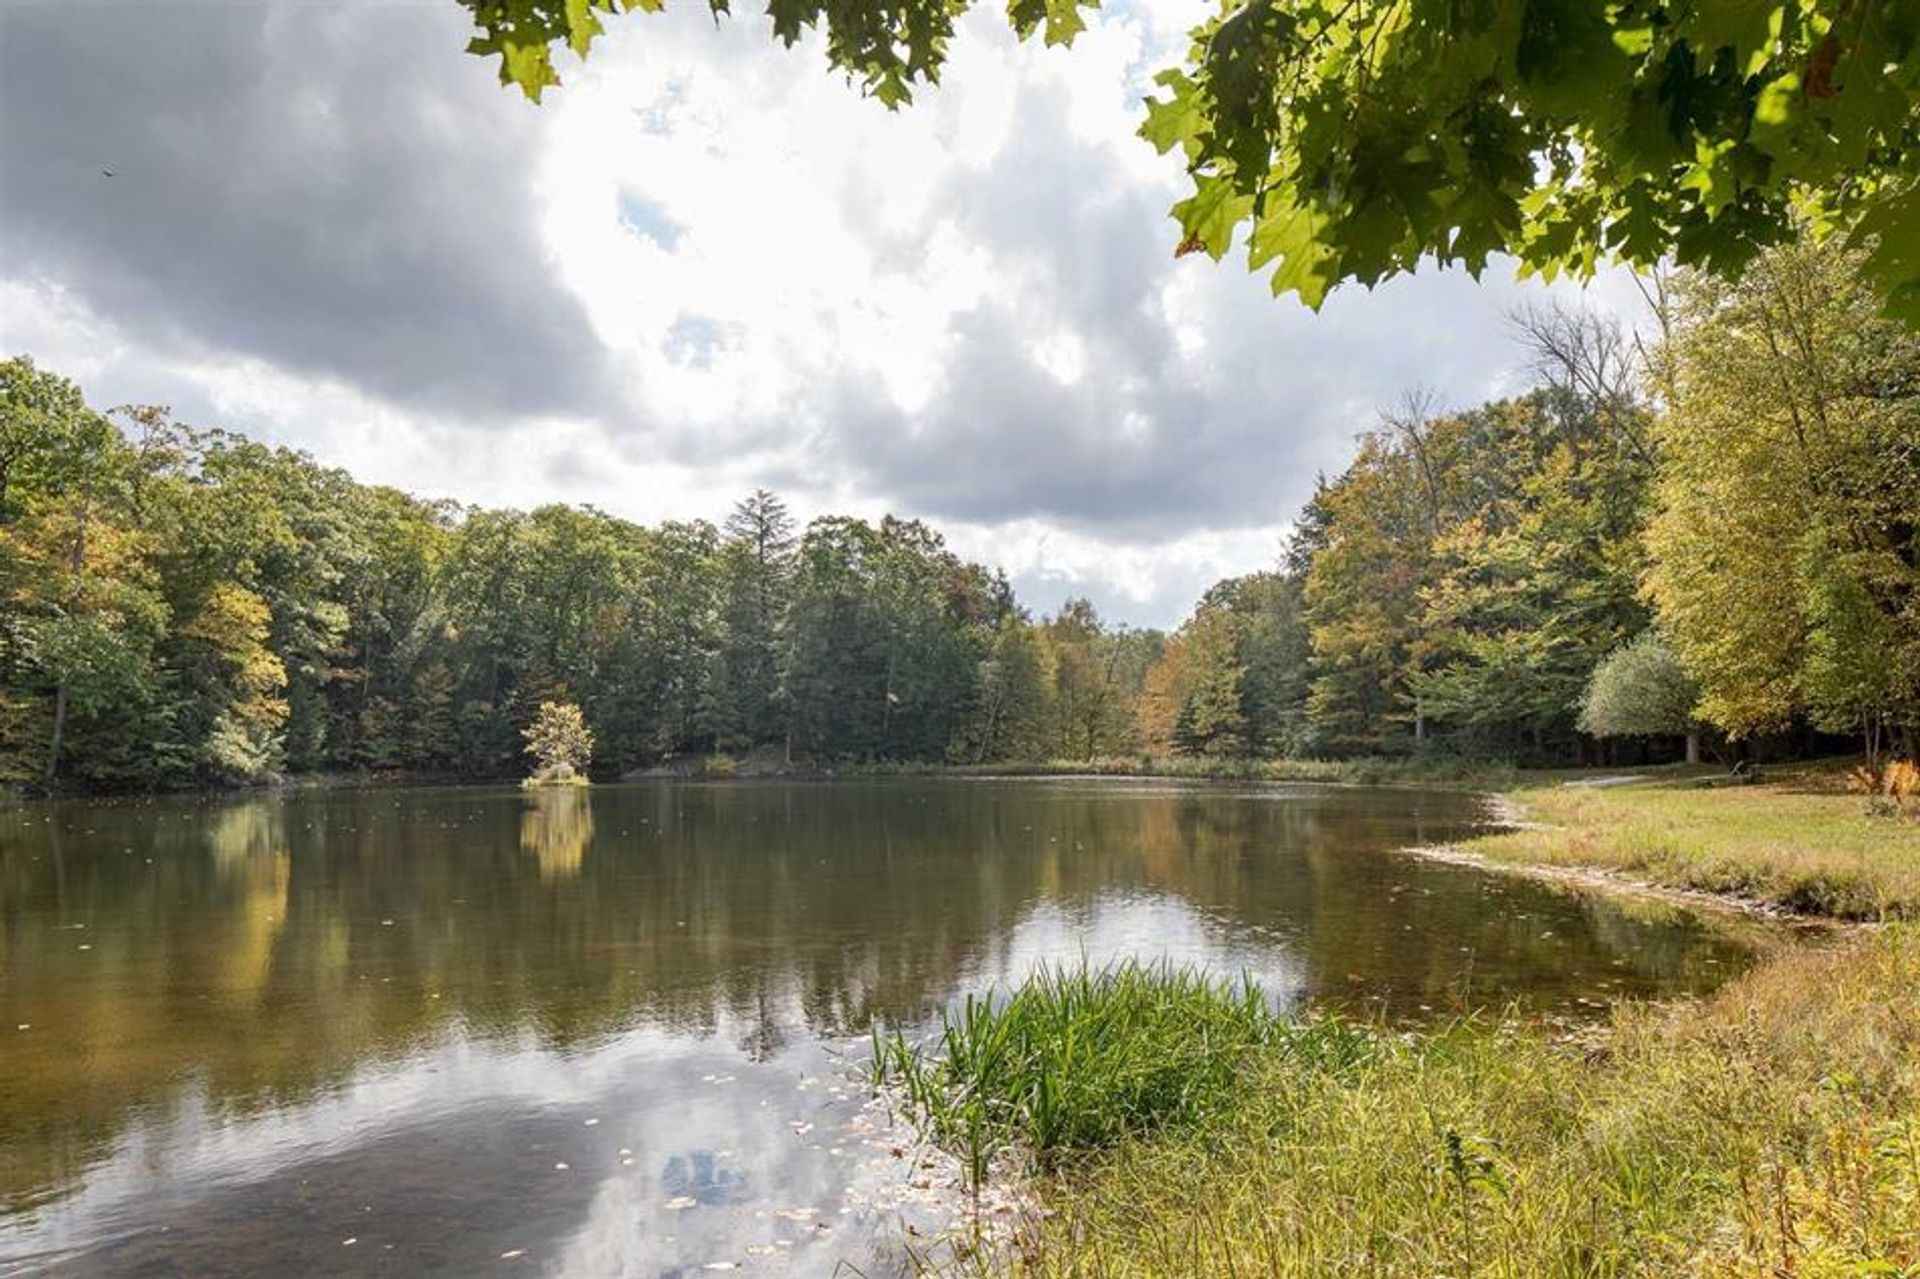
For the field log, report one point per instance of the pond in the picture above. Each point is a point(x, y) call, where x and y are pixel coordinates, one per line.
point(618, 1032)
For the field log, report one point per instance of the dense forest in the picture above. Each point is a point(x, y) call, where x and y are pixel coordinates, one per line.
point(1713, 532)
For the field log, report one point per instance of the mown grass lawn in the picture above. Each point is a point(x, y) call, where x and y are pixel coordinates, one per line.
point(1802, 842)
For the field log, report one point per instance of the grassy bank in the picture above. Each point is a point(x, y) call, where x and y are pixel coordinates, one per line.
point(1773, 1129)
point(1175, 1128)
point(1802, 842)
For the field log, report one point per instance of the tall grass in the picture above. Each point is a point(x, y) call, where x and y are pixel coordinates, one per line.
point(1076, 1061)
point(1773, 1130)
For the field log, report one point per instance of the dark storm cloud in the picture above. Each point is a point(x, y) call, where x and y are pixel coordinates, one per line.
point(334, 189)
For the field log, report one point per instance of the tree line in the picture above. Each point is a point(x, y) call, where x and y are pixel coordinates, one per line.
point(189, 607)
point(1716, 531)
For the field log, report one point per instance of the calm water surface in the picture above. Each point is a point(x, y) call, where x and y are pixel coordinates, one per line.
point(471, 1031)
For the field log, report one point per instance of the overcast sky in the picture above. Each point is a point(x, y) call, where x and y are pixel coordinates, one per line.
point(706, 264)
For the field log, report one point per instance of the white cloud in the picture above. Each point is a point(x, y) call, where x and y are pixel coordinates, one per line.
point(705, 264)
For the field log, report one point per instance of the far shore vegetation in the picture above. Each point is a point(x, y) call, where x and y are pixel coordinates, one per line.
point(1705, 547)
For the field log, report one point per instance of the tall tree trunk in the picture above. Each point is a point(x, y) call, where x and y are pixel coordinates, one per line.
point(1693, 746)
point(76, 564)
point(59, 730)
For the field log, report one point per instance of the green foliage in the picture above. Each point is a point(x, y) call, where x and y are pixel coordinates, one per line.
point(1786, 555)
point(187, 607)
point(1233, 681)
point(1639, 690)
point(1352, 142)
point(1098, 676)
point(1211, 720)
point(1469, 570)
point(1074, 1062)
point(887, 631)
point(192, 608)
point(1010, 719)
point(755, 595)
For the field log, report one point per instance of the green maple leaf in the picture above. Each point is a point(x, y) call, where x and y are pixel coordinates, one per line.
point(1893, 222)
point(1211, 213)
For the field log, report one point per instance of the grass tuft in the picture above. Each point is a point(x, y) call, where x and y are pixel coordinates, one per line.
point(1078, 1061)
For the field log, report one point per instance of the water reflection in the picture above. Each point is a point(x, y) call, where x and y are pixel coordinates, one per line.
point(556, 828)
point(250, 1031)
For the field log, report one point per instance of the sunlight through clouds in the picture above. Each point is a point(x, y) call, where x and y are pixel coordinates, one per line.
point(706, 264)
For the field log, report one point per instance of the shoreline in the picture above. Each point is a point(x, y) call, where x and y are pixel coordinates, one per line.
point(1758, 1163)
point(1492, 777)
point(1605, 881)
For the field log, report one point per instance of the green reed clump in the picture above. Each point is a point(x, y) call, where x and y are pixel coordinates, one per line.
point(1075, 1061)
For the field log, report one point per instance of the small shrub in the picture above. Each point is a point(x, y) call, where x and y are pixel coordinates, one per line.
point(559, 739)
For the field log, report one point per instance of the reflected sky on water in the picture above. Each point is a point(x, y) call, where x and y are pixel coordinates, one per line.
point(619, 1031)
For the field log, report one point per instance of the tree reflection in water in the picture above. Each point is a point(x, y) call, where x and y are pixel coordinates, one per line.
point(270, 958)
